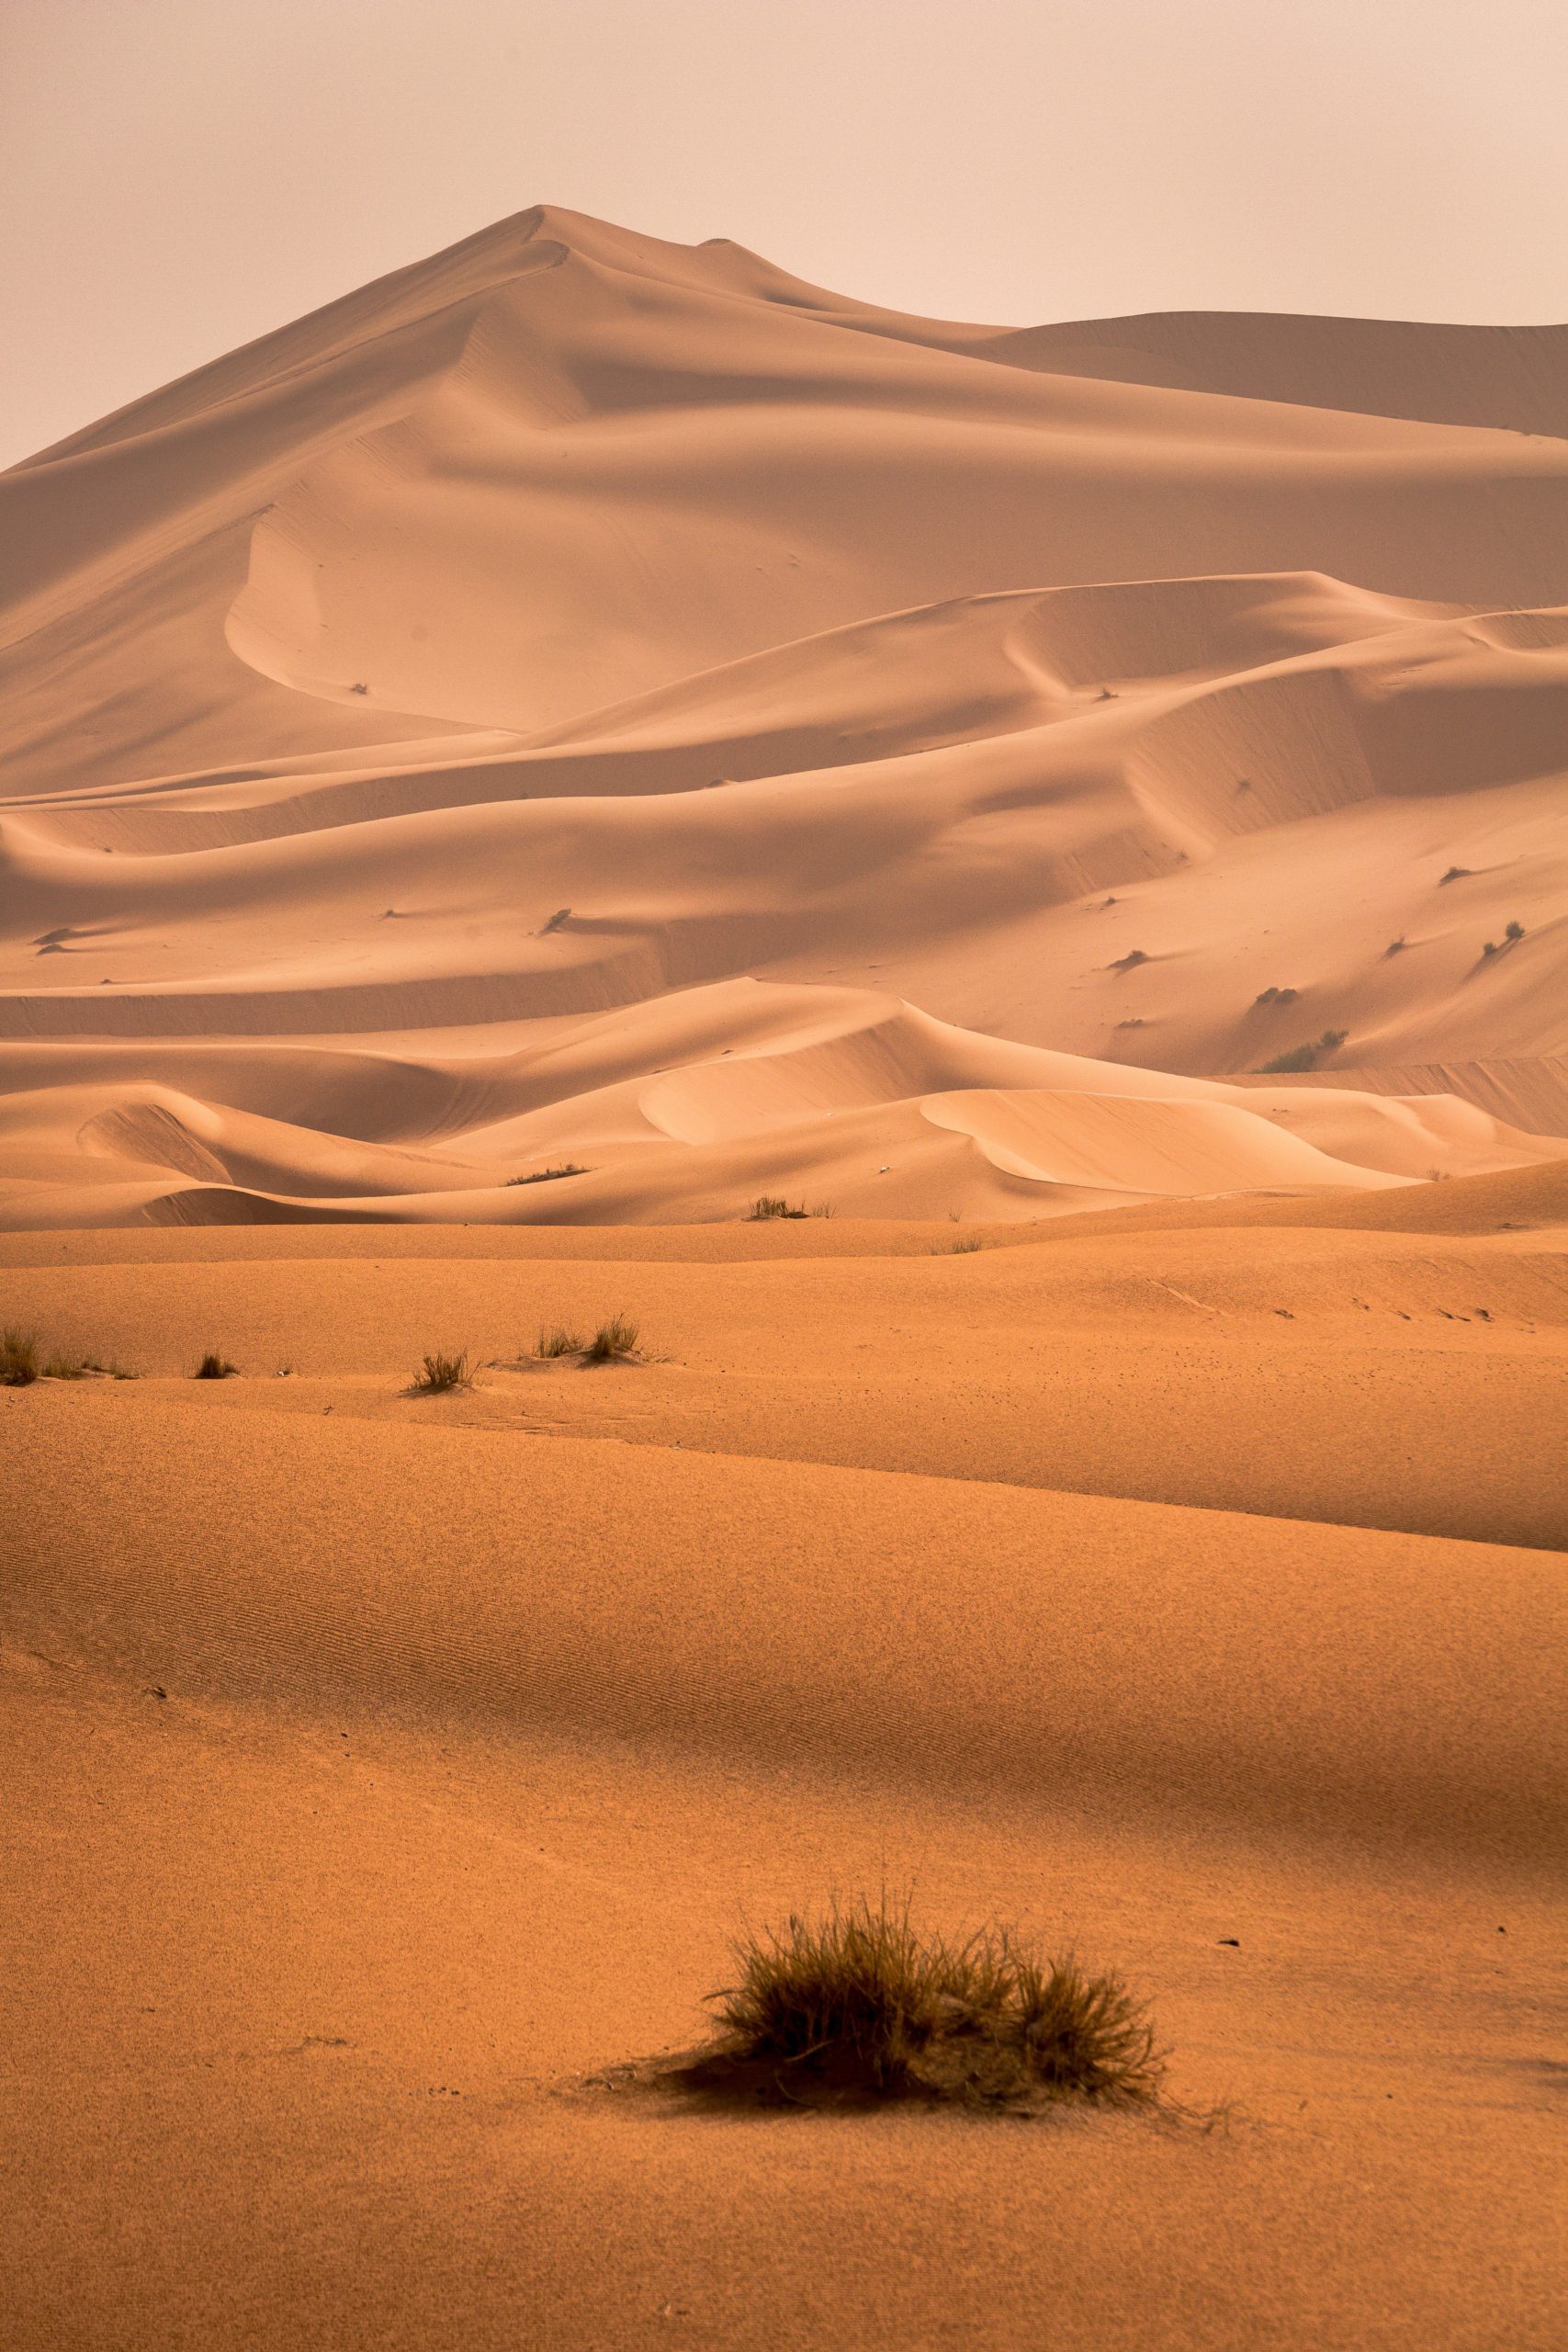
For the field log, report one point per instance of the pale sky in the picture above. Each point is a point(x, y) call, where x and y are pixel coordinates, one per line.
point(177, 176)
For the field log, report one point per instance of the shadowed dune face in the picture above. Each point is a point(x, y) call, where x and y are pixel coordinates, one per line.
point(588, 700)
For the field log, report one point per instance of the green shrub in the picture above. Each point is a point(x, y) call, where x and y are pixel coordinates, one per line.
point(859, 2004)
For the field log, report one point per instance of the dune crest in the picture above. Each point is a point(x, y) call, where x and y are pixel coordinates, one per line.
point(584, 699)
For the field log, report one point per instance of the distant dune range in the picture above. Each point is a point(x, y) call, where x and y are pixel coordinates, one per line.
point(589, 701)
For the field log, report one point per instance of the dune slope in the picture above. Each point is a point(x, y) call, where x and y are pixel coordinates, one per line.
point(587, 701)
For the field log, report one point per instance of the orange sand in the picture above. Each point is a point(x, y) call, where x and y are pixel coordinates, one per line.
point(589, 700)
point(1157, 1588)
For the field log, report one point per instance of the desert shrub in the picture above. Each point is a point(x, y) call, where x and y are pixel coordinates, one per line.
point(1490, 949)
point(964, 1249)
point(214, 1366)
point(858, 2002)
point(559, 1341)
point(1302, 1058)
point(550, 1175)
point(1395, 946)
point(1515, 931)
point(18, 1359)
point(1130, 962)
point(1276, 996)
point(67, 1368)
point(771, 1204)
point(1454, 874)
point(613, 1341)
point(442, 1373)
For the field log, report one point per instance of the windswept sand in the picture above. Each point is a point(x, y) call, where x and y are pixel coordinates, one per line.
point(587, 702)
point(384, 1769)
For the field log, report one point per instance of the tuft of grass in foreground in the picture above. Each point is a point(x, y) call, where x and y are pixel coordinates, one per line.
point(771, 1204)
point(964, 1249)
point(558, 1342)
point(18, 1359)
point(215, 1367)
point(857, 2004)
point(613, 1342)
point(441, 1374)
point(550, 1175)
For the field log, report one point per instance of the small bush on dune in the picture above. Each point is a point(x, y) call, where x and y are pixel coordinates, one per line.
point(550, 1175)
point(1302, 1058)
point(559, 1342)
point(18, 1359)
point(770, 1204)
point(215, 1367)
point(857, 2004)
point(965, 1248)
point(442, 1373)
point(613, 1342)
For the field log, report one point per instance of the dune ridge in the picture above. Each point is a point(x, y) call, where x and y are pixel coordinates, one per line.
point(509, 694)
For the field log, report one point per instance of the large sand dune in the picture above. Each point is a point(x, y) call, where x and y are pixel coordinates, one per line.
point(576, 626)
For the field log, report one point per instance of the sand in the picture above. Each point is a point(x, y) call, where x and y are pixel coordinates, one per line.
point(589, 703)
point(386, 1769)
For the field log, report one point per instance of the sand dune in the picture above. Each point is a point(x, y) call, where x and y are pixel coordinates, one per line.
point(493, 779)
point(573, 625)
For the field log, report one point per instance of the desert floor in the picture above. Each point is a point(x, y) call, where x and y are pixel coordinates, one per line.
point(1183, 1583)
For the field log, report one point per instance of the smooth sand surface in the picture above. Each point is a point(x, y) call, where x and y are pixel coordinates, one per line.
point(587, 702)
point(386, 1769)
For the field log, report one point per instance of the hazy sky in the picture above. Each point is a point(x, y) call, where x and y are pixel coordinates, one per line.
point(177, 176)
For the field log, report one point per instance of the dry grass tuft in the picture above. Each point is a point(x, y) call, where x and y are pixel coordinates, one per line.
point(441, 1374)
point(215, 1367)
point(613, 1342)
point(857, 2005)
point(18, 1359)
point(558, 1342)
point(773, 1205)
point(550, 1175)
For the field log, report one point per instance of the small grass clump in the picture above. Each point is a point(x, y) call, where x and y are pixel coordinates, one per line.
point(1302, 1058)
point(857, 2005)
point(771, 1204)
point(613, 1342)
point(550, 1175)
point(18, 1359)
point(214, 1366)
point(964, 1249)
point(442, 1374)
point(559, 1341)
